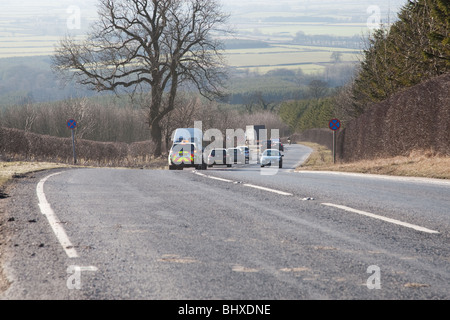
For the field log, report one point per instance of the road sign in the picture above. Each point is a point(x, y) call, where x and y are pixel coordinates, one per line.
point(71, 124)
point(335, 124)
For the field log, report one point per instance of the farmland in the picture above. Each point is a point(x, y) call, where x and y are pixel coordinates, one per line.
point(298, 36)
point(28, 29)
point(309, 59)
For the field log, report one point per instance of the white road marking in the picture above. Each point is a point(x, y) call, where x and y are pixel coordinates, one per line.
point(441, 182)
point(371, 215)
point(268, 189)
point(246, 184)
point(89, 268)
point(220, 179)
point(53, 220)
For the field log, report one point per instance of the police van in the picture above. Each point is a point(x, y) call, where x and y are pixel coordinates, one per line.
point(187, 150)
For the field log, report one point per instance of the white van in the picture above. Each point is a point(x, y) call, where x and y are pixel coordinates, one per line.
point(187, 150)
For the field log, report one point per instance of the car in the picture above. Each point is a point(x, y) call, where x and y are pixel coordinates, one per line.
point(218, 156)
point(271, 156)
point(276, 144)
point(246, 151)
point(236, 155)
point(272, 144)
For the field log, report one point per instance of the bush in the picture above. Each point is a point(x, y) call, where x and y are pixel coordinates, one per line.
point(20, 145)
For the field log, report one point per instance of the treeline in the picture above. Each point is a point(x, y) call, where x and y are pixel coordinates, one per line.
point(268, 91)
point(302, 115)
point(414, 49)
point(29, 80)
point(98, 121)
point(110, 119)
point(351, 42)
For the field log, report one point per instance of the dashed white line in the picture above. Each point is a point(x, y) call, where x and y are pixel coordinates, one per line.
point(371, 215)
point(364, 213)
point(220, 179)
point(268, 189)
point(246, 184)
point(53, 220)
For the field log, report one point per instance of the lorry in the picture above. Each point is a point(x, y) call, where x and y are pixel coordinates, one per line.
point(254, 134)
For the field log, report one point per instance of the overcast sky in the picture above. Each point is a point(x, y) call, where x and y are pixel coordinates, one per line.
point(298, 6)
point(243, 12)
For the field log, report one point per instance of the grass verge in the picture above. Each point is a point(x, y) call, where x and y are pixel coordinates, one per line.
point(423, 164)
point(10, 170)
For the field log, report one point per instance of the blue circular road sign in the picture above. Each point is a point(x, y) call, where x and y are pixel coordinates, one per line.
point(71, 124)
point(335, 124)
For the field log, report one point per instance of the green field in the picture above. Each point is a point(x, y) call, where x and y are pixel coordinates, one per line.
point(309, 59)
point(26, 45)
point(290, 29)
point(21, 36)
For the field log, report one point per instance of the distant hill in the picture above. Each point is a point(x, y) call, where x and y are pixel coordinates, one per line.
point(30, 79)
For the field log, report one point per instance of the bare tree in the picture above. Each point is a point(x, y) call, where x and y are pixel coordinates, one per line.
point(153, 45)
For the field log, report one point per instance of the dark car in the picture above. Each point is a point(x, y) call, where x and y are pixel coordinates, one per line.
point(271, 144)
point(236, 155)
point(246, 151)
point(218, 156)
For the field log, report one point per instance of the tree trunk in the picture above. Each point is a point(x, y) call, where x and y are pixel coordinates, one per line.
point(156, 133)
point(154, 117)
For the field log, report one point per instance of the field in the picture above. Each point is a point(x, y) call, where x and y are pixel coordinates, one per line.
point(309, 59)
point(283, 30)
point(28, 29)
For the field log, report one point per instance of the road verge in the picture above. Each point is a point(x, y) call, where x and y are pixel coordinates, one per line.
point(424, 164)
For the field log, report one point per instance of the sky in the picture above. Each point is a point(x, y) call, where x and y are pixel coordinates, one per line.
point(52, 17)
point(33, 7)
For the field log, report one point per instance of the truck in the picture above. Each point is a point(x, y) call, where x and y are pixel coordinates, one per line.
point(254, 134)
point(187, 150)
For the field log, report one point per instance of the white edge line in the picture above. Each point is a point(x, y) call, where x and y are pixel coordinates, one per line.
point(53, 220)
point(435, 181)
point(371, 215)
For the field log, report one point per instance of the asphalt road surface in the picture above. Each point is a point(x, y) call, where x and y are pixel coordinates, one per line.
point(227, 233)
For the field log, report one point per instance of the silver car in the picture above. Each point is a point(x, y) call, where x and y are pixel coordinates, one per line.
point(271, 156)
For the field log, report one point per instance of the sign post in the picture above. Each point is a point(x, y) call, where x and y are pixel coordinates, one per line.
point(335, 125)
point(72, 124)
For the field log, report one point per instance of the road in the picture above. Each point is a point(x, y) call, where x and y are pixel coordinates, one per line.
point(227, 233)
